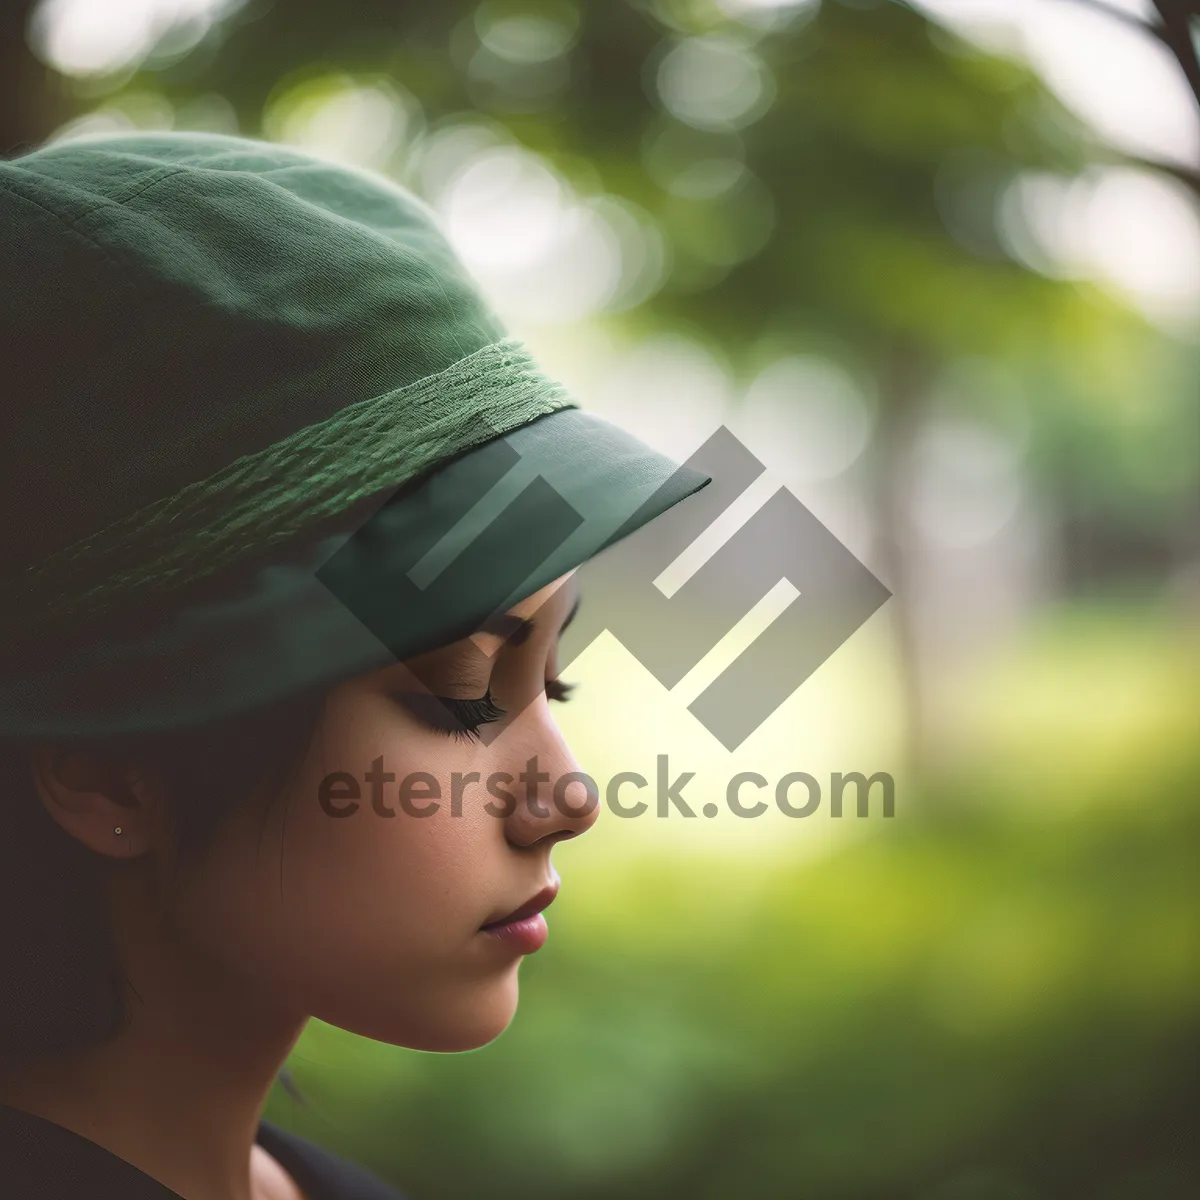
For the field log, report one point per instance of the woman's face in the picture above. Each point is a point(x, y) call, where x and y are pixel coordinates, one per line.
point(366, 908)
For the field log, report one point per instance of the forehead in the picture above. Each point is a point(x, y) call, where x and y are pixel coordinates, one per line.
point(546, 611)
point(559, 595)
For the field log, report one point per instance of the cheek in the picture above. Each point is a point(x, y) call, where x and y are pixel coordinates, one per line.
point(367, 921)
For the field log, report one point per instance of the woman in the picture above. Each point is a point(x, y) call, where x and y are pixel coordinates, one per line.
point(291, 535)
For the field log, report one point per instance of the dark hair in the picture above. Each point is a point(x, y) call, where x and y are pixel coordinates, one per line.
point(61, 986)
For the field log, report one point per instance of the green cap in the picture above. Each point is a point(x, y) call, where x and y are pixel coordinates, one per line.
point(264, 434)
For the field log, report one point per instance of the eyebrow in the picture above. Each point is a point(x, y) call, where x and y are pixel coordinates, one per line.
point(516, 630)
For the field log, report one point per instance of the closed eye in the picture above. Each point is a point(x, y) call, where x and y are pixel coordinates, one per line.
point(452, 716)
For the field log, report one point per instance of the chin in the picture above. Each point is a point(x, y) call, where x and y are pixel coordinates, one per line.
point(476, 1018)
point(454, 1040)
point(464, 1020)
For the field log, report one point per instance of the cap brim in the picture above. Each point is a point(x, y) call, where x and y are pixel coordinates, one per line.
point(481, 532)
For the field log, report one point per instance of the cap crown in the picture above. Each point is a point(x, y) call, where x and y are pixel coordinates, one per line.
point(173, 300)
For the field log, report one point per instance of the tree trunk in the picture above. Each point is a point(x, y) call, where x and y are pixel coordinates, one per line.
point(904, 372)
point(33, 101)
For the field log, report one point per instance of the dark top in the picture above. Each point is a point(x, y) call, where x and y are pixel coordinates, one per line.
point(40, 1160)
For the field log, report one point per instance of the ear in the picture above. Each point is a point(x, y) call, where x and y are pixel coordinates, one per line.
point(101, 800)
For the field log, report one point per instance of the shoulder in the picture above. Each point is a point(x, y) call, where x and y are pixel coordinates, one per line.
point(268, 1179)
point(319, 1173)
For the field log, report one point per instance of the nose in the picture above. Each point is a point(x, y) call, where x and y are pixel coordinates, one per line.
point(554, 798)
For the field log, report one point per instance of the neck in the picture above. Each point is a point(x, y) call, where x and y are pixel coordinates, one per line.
point(179, 1091)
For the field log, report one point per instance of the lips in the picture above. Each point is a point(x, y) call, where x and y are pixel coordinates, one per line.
point(534, 905)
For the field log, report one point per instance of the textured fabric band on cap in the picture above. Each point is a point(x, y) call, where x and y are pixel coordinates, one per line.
point(286, 489)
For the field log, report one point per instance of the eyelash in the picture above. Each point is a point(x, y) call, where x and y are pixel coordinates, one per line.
point(461, 719)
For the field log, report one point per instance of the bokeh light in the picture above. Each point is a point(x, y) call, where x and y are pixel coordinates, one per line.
point(1135, 232)
point(714, 82)
point(343, 118)
point(517, 223)
point(807, 415)
point(86, 37)
point(966, 482)
point(1124, 83)
point(770, 14)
